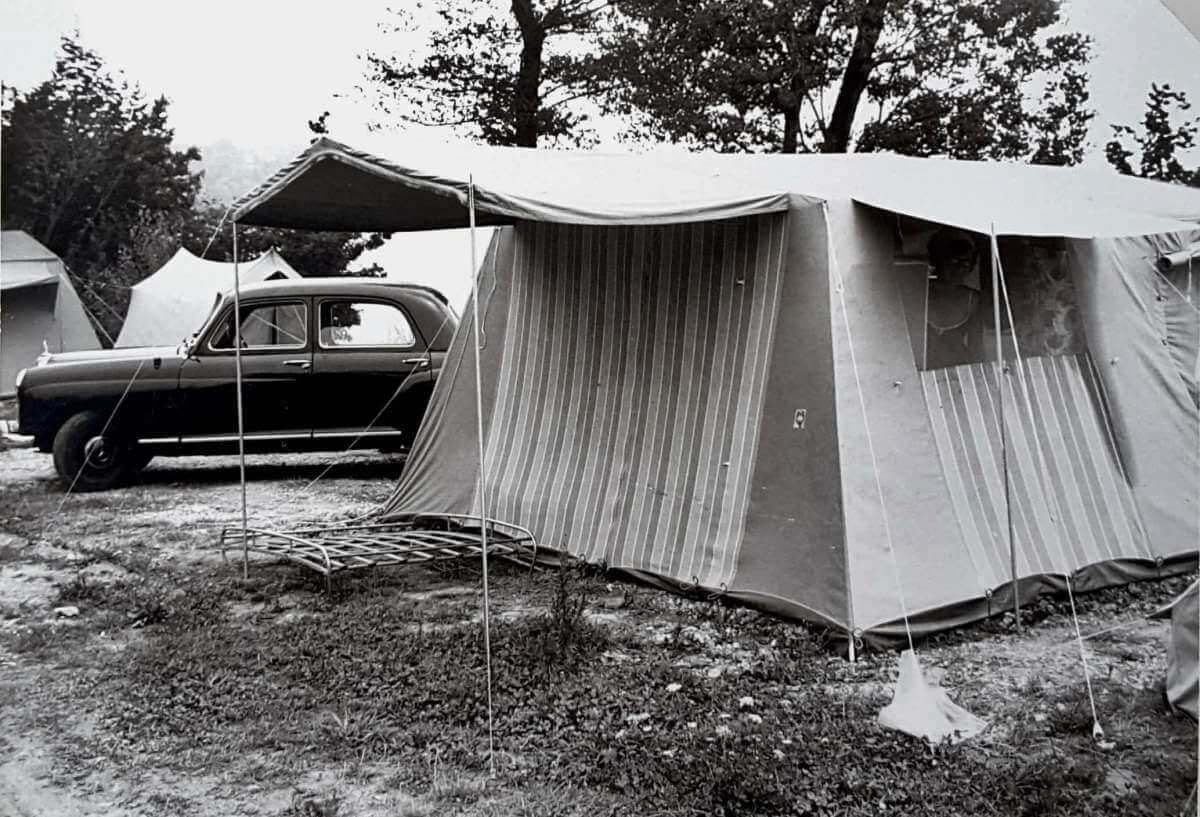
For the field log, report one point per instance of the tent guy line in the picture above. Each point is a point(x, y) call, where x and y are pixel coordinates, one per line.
point(840, 288)
point(1056, 512)
point(91, 450)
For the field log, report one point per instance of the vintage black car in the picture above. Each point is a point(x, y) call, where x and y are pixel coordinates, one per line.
point(326, 364)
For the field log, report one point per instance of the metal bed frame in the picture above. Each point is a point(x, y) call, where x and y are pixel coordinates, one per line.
point(406, 539)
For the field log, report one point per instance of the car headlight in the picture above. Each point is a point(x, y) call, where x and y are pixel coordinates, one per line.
point(20, 377)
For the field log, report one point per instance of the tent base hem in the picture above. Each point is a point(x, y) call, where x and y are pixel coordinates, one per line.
point(891, 635)
point(1088, 579)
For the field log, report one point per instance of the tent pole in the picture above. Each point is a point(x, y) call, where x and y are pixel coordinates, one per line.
point(237, 366)
point(483, 517)
point(1000, 378)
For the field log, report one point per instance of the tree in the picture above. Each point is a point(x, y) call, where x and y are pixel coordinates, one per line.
point(944, 77)
point(503, 76)
point(312, 253)
point(1160, 141)
point(85, 157)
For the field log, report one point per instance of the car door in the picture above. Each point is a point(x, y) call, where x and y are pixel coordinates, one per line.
point(367, 361)
point(276, 375)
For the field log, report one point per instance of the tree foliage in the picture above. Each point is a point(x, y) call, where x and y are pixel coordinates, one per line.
point(942, 77)
point(1160, 141)
point(85, 157)
point(312, 253)
point(503, 75)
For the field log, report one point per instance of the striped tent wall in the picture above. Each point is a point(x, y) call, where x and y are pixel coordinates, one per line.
point(629, 396)
point(1071, 503)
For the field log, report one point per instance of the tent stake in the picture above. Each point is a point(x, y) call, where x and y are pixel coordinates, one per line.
point(1000, 378)
point(483, 530)
point(237, 365)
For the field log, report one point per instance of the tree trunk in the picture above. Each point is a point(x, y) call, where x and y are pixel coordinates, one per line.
point(529, 76)
point(854, 80)
point(790, 100)
point(791, 129)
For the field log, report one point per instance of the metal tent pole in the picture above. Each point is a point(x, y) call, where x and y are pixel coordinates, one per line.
point(1000, 378)
point(237, 365)
point(483, 517)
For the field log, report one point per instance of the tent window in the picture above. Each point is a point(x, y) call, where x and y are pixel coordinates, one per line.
point(348, 323)
point(1178, 296)
point(945, 279)
point(267, 326)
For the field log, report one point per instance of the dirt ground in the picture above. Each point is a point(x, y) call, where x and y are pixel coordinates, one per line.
point(61, 755)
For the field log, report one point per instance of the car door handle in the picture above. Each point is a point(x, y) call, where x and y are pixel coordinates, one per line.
point(303, 364)
point(419, 361)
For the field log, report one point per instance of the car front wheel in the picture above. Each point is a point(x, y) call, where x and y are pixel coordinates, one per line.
point(89, 458)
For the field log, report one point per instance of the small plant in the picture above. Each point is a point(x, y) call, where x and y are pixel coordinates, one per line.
point(305, 804)
point(80, 589)
point(32, 639)
point(563, 634)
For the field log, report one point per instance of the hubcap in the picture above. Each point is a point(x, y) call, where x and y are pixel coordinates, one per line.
point(100, 452)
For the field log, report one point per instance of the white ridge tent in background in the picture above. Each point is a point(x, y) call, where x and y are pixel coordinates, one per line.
point(38, 306)
point(172, 303)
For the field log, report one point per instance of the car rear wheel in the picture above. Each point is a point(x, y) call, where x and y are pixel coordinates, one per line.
point(89, 458)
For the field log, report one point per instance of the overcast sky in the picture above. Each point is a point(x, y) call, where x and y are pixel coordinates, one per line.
point(255, 71)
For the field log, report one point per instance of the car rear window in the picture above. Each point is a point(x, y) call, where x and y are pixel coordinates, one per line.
point(364, 323)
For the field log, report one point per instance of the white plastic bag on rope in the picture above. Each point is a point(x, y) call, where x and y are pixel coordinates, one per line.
point(925, 710)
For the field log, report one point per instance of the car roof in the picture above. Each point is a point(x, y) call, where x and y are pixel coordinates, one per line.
point(339, 285)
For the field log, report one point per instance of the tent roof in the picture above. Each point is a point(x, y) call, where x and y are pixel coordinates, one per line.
point(25, 261)
point(332, 186)
point(1018, 199)
point(18, 245)
point(188, 273)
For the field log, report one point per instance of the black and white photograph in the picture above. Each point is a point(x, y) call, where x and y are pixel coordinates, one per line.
point(599, 408)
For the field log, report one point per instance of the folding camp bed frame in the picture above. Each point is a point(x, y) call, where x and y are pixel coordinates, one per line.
point(405, 540)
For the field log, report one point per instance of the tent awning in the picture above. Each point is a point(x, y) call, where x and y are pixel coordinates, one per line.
point(332, 186)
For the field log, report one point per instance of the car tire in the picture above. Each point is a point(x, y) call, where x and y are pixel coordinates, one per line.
point(86, 457)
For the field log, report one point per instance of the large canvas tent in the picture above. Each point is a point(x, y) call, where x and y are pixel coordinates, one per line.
point(39, 309)
point(775, 377)
point(172, 303)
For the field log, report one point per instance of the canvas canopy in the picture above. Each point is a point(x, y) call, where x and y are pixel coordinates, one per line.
point(774, 377)
point(38, 306)
point(173, 302)
point(332, 186)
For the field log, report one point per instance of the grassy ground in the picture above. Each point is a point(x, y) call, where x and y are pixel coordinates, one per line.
point(182, 688)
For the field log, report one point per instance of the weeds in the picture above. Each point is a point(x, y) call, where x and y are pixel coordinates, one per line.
point(305, 804)
point(139, 601)
point(361, 681)
point(563, 636)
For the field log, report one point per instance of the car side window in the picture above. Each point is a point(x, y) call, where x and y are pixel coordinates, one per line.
point(266, 326)
point(364, 323)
